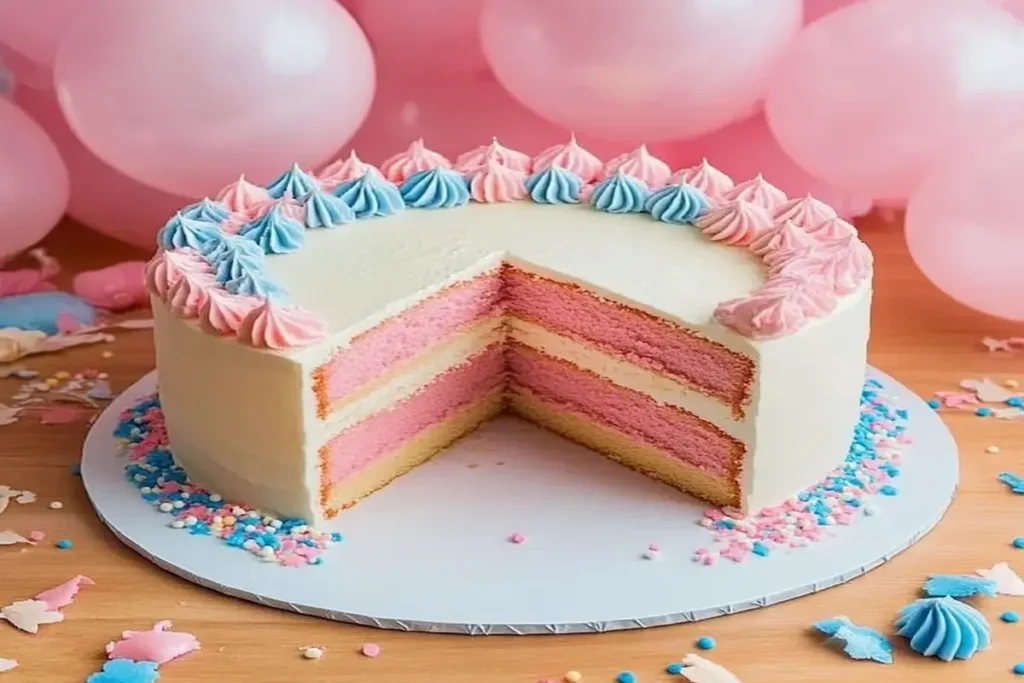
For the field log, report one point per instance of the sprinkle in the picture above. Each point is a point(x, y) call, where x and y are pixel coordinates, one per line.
point(1009, 617)
point(107, 354)
point(36, 536)
point(934, 403)
point(1011, 383)
point(313, 652)
point(517, 538)
point(370, 649)
point(706, 643)
point(953, 586)
point(1018, 543)
point(888, 490)
point(626, 677)
point(65, 544)
point(675, 668)
point(572, 677)
point(1018, 668)
point(983, 411)
point(992, 449)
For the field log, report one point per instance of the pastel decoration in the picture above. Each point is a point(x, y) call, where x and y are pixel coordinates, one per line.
point(784, 236)
point(554, 185)
point(739, 223)
point(275, 232)
point(159, 644)
point(832, 228)
point(859, 642)
point(40, 311)
point(369, 195)
point(28, 280)
point(343, 170)
point(640, 164)
point(223, 312)
point(253, 283)
point(493, 181)
point(237, 261)
point(277, 326)
point(806, 212)
point(189, 294)
point(758, 191)
point(510, 158)
point(620, 193)
point(677, 204)
point(571, 157)
point(705, 178)
point(64, 594)
point(181, 232)
point(125, 671)
point(29, 615)
point(119, 287)
point(225, 244)
point(957, 586)
point(944, 628)
point(167, 267)
point(292, 183)
point(781, 306)
point(415, 159)
point(435, 188)
point(207, 210)
point(241, 195)
point(324, 210)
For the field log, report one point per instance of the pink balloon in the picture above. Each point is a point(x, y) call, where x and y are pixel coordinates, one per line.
point(102, 197)
point(650, 69)
point(747, 148)
point(1014, 7)
point(965, 232)
point(816, 9)
point(34, 30)
point(871, 97)
point(185, 95)
point(33, 181)
point(424, 37)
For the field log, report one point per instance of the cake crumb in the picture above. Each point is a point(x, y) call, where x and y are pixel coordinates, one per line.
point(312, 652)
point(573, 677)
point(992, 449)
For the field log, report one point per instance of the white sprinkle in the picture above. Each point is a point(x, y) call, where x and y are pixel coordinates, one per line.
point(249, 528)
point(651, 554)
point(178, 505)
point(217, 519)
point(870, 510)
point(139, 477)
point(238, 512)
point(186, 495)
point(56, 505)
point(267, 551)
point(190, 521)
point(177, 524)
point(992, 449)
point(313, 653)
point(276, 524)
point(250, 544)
point(166, 507)
point(215, 498)
point(300, 529)
point(145, 489)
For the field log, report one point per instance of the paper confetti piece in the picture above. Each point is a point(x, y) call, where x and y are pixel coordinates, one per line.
point(1007, 581)
point(29, 615)
point(987, 390)
point(699, 670)
point(956, 586)
point(993, 344)
point(1015, 483)
point(64, 594)
point(8, 415)
point(1010, 413)
point(11, 538)
point(859, 642)
point(7, 665)
point(125, 671)
point(159, 644)
point(25, 497)
point(59, 414)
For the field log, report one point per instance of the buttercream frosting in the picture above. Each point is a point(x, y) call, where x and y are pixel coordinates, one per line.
point(277, 326)
point(554, 184)
point(620, 193)
point(680, 203)
point(180, 232)
point(275, 232)
point(705, 178)
point(371, 194)
point(292, 183)
point(758, 191)
point(207, 210)
point(241, 195)
point(572, 157)
point(944, 628)
point(223, 312)
point(510, 158)
point(738, 223)
point(223, 243)
point(239, 257)
point(324, 210)
point(344, 170)
point(189, 293)
point(494, 181)
point(832, 228)
point(806, 212)
point(167, 267)
point(640, 164)
point(416, 158)
point(254, 283)
point(845, 262)
point(764, 314)
point(782, 236)
point(435, 188)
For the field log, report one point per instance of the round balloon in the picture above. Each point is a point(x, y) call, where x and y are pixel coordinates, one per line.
point(649, 69)
point(34, 30)
point(872, 96)
point(964, 230)
point(816, 9)
point(102, 197)
point(33, 181)
point(185, 95)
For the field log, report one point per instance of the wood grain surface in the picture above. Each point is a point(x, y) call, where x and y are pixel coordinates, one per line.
point(919, 336)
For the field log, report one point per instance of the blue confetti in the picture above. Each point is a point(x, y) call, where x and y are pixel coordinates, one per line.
point(954, 586)
point(889, 490)
point(65, 544)
point(1015, 402)
point(706, 643)
point(934, 403)
point(859, 642)
point(983, 411)
point(1015, 483)
point(125, 671)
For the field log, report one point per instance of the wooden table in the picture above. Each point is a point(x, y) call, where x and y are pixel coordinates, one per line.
point(920, 336)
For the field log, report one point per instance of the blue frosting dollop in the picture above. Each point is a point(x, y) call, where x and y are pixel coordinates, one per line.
point(232, 256)
point(292, 183)
point(252, 282)
point(371, 195)
point(181, 232)
point(324, 210)
point(554, 185)
point(943, 628)
point(680, 203)
point(207, 210)
point(435, 188)
point(620, 193)
point(275, 232)
point(958, 586)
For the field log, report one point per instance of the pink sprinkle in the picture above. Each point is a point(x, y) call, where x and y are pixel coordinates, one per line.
point(36, 536)
point(517, 538)
point(654, 547)
point(709, 560)
point(370, 649)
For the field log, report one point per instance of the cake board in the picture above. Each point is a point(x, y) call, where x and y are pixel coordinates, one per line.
point(431, 551)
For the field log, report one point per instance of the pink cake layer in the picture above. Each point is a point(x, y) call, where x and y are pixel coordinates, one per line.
point(363, 443)
point(668, 428)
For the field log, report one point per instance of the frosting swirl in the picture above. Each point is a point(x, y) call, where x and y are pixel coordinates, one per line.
point(845, 263)
point(832, 228)
point(705, 178)
point(944, 628)
point(783, 236)
point(252, 283)
point(324, 210)
point(494, 182)
point(241, 195)
point(238, 257)
point(292, 183)
point(680, 204)
point(167, 267)
point(181, 232)
point(807, 212)
point(271, 325)
point(764, 314)
point(509, 158)
point(189, 293)
point(275, 232)
point(207, 210)
point(223, 312)
point(344, 170)
point(570, 157)
point(641, 165)
point(371, 194)
point(806, 292)
point(554, 185)
point(413, 160)
point(435, 188)
point(620, 193)
point(758, 191)
point(737, 223)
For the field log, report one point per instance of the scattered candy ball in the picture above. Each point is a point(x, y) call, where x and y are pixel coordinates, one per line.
point(934, 403)
point(1019, 543)
point(626, 677)
point(675, 668)
point(370, 649)
point(56, 505)
point(1018, 668)
point(517, 538)
point(572, 677)
point(706, 643)
point(992, 449)
point(983, 411)
point(1009, 617)
point(64, 544)
point(313, 653)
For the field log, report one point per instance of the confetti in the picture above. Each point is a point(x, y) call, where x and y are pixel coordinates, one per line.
point(125, 671)
point(65, 544)
point(8, 415)
point(517, 538)
point(953, 586)
point(1015, 483)
point(987, 390)
point(7, 665)
point(64, 594)
point(1009, 617)
point(159, 644)
point(11, 538)
point(699, 670)
point(859, 642)
point(370, 649)
point(572, 677)
point(29, 615)
point(1006, 580)
point(992, 449)
point(56, 505)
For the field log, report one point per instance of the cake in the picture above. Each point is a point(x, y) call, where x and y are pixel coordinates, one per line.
point(323, 335)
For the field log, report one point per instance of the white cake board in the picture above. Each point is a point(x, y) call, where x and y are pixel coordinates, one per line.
point(430, 551)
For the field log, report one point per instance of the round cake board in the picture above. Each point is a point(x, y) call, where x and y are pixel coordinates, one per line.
point(431, 552)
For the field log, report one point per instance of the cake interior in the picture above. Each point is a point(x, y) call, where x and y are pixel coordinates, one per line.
point(646, 392)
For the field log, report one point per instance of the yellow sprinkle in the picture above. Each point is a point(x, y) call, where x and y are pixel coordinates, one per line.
point(53, 381)
point(1012, 383)
point(573, 677)
point(63, 374)
point(992, 449)
point(230, 520)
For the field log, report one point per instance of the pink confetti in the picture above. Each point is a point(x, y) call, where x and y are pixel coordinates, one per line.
point(370, 649)
point(64, 594)
point(36, 536)
point(517, 538)
point(159, 644)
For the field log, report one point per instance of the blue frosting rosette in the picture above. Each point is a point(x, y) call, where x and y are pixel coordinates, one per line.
point(207, 210)
point(680, 204)
point(275, 232)
point(181, 232)
point(944, 628)
point(371, 195)
point(292, 183)
point(324, 210)
point(620, 193)
point(232, 256)
point(435, 188)
point(554, 185)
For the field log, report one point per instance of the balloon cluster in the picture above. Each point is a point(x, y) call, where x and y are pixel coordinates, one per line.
point(125, 110)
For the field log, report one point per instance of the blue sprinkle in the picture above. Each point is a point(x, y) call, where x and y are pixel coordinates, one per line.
point(626, 677)
point(934, 403)
point(1015, 401)
point(888, 490)
point(706, 643)
point(1018, 668)
point(902, 412)
point(65, 544)
point(760, 549)
point(1018, 543)
point(983, 411)
point(317, 560)
point(337, 537)
point(1009, 617)
point(675, 668)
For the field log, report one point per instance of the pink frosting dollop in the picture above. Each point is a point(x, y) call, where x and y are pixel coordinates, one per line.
point(494, 182)
point(807, 212)
point(510, 158)
point(831, 229)
point(739, 222)
point(271, 325)
point(223, 312)
point(782, 237)
point(572, 157)
point(344, 170)
point(845, 262)
point(781, 306)
point(242, 195)
point(642, 165)
point(416, 158)
point(705, 178)
point(190, 293)
point(167, 267)
point(759, 191)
